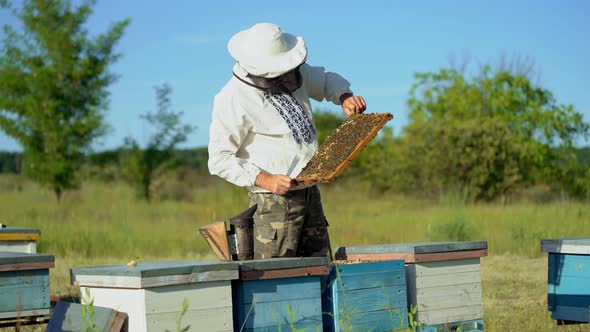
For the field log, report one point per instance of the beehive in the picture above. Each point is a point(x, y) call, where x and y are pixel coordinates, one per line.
point(279, 294)
point(24, 284)
point(19, 239)
point(341, 147)
point(569, 279)
point(366, 297)
point(152, 294)
point(443, 279)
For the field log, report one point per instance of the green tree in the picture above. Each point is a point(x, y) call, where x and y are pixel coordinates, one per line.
point(493, 131)
point(53, 87)
point(141, 165)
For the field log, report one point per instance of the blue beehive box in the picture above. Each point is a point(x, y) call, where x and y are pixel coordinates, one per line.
point(443, 280)
point(279, 294)
point(568, 296)
point(24, 284)
point(366, 297)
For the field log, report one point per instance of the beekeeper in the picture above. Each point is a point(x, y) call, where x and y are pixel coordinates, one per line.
point(262, 134)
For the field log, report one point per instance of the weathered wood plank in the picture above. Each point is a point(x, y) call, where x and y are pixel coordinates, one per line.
point(24, 278)
point(417, 258)
point(568, 265)
point(124, 281)
point(68, 317)
point(567, 300)
point(26, 266)
point(566, 245)
point(285, 273)
point(449, 315)
point(426, 303)
point(373, 299)
point(216, 319)
point(130, 301)
point(466, 326)
point(272, 290)
point(369, 267)
point(199, 296)
point(412, 248)
point(570, 285)
point(383, 320)
point(571, 313)
point(12, 258)
point(156, 269)
point(26, 290)
point(447, 279)
point(269, 314)
point(447, 267)
point(29, 247)
point(449, 290)
point(311, 324)
point(370, 280)
point(281, 263)
point(24, 313)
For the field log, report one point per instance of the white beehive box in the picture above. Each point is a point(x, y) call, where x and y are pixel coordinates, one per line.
point(152, 294)
point(18, 239)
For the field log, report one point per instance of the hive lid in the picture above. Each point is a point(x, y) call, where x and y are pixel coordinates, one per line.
point(8, 233)
point(14, 261)
point(414, 248)
point(414, 252)
point(566, 245)
point(153, 274)
point(283, 267)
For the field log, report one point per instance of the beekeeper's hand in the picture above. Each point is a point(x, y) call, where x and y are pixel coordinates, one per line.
point(352, 104)
point(277, 184)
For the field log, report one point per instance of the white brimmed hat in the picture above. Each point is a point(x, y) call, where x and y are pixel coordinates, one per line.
point(265, 50)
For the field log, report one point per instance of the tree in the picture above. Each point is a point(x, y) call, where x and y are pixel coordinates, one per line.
point(537, 133)
point(53, 87)
point(326, 122)
point(141, 164)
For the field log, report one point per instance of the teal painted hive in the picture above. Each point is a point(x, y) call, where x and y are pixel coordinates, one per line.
point(24, 284)
point(568, 295)
point(366, 297)
point(279, 294)
point(443, 280)
point(152, 294)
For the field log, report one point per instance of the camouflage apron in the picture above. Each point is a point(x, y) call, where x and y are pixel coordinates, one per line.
point(290, 225)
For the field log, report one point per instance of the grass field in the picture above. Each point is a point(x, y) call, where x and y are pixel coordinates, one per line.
point(105, 224)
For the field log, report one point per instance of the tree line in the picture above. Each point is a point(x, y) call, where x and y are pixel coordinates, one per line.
point(485, 135)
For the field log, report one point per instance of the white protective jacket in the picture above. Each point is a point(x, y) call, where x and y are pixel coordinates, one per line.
point(252, 131)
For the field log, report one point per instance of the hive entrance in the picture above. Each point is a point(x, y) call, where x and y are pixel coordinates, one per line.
point(341, 147)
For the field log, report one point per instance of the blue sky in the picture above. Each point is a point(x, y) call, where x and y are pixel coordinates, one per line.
point(377, 45)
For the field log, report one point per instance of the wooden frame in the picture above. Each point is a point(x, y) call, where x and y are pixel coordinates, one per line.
point(340, 168)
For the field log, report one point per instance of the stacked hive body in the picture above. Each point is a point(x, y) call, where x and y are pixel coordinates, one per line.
point(279, 294)
point(569, 279)
point(24, 284)
point(443, 280)
point(366, 297)
point(19, 239)
point(152, 294)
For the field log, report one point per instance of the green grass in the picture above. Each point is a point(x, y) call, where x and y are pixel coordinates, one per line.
point(105, 224)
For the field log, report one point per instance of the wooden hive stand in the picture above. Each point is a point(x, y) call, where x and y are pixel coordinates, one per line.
point(443, 280)
point(152, 294)
point(279, 294)
point(568, 295)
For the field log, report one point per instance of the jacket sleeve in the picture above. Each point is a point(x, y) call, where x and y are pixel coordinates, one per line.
point(228, 130)
point(324, 85)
